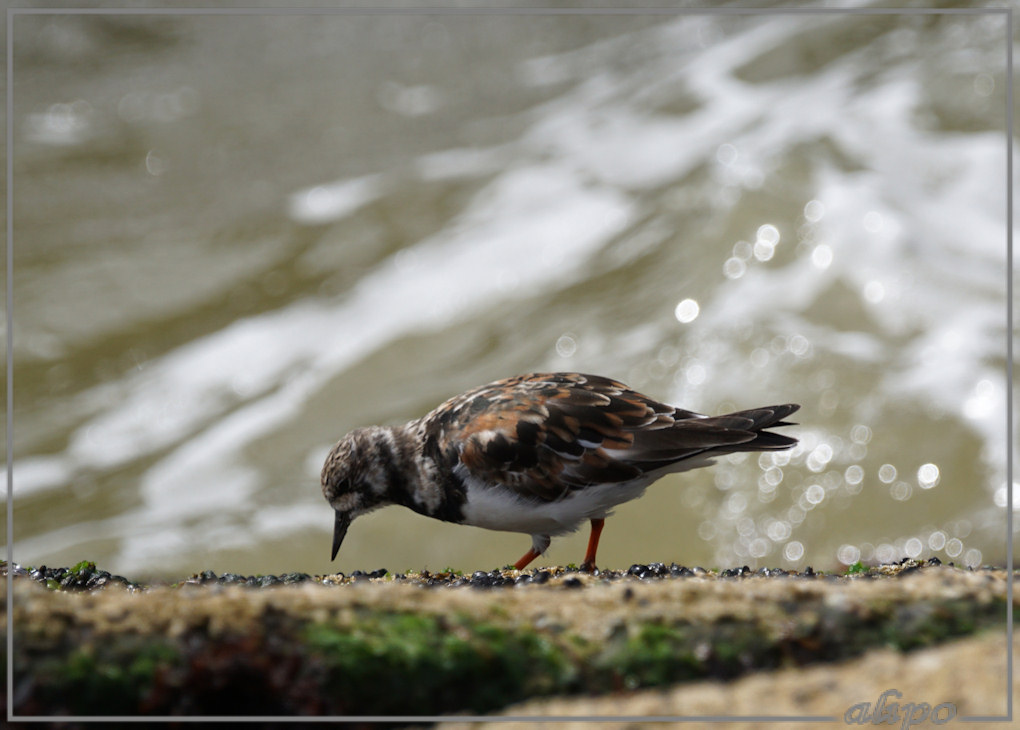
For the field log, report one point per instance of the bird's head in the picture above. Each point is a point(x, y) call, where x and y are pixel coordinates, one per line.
point(350, 481)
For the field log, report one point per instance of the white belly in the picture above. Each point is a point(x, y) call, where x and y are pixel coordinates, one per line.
point(496, 508)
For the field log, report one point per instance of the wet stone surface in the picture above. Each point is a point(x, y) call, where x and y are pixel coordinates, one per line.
point(85, 576)
point(373, 642)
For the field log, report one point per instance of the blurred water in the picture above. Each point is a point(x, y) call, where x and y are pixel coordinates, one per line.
point(238, 238)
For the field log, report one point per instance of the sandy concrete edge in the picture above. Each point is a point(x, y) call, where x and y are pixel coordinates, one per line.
point(970, 673)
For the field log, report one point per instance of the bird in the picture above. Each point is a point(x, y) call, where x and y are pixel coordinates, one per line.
point(538, 454)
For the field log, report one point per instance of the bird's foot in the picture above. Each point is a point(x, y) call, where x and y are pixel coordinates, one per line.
point(526, 559)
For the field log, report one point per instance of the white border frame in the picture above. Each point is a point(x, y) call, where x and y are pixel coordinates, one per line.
point(13, 12)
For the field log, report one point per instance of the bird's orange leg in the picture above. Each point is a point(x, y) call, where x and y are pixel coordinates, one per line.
point(593, 545)
point(526, 558)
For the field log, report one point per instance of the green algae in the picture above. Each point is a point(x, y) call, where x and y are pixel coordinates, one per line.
point(856, 568)
point(434, 665)
point(84, 568)
point(99, 679)
point(403, 663)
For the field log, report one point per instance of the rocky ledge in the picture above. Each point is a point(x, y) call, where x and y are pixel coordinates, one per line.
point(426, 644)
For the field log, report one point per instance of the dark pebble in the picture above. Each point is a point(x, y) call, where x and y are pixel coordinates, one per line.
point(573, 583)
point(83, 579)
point(542, 576)
point(495, 579)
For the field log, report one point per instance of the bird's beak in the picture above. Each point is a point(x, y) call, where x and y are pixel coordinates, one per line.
point(340, 525)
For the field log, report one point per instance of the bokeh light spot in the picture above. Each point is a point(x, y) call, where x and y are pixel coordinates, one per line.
point(686, 311)
point(726, 154)
point(874, 291)
point(848, 554)
point(793, 551)
point(928, 476)
point(860, 434)
point(821, 256)
point(913, 547)
point(760, 357)
point(566, 345)
point(814, 211)
point(734, 268)
point(768, 234)
point(900, 491)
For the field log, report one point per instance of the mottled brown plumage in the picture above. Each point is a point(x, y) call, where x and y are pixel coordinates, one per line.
point(536, 453)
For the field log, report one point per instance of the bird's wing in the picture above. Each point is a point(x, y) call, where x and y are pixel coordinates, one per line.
point(544, 435)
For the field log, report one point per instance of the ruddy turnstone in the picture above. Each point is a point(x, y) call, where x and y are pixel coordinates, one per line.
point(537, 454)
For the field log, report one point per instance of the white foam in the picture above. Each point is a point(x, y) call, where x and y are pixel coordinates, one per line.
point(285, 356)
point(329, 203)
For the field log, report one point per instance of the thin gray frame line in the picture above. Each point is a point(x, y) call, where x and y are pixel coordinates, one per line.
point(428, 718)
point(9, 406)
point(439, 10)
point(11, 12)
point(1008, 717)
point(1009, 360)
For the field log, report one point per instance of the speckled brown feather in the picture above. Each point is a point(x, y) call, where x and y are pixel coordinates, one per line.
point(544, 435)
